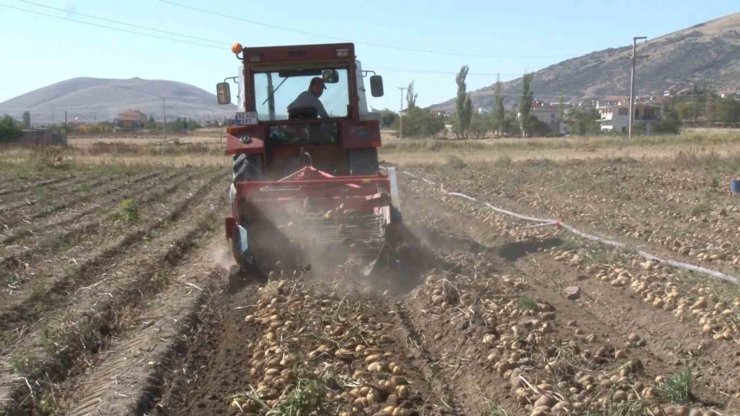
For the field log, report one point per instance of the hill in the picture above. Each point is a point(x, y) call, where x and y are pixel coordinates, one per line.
point(90, 99)
point(705, 53)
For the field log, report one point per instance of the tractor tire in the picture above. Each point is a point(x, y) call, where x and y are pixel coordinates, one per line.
point(247, 167)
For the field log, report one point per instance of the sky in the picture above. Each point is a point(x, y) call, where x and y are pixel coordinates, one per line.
point(413, 40)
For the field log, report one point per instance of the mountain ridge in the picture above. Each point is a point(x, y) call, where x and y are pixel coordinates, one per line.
point(91, 99)
point(707, 52)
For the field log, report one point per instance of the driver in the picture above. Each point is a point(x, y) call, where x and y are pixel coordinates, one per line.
point(310, 98)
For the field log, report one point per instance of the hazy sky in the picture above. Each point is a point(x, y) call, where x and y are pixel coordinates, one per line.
point(506, 37)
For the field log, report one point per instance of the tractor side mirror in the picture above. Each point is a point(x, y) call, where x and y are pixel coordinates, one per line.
point(330, 76)
point(223, 93)
point(376, 85)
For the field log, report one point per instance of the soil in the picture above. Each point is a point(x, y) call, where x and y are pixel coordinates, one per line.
point(116, 307)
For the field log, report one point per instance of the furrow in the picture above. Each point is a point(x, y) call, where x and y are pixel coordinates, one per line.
point(100, 312)
point(40, 301)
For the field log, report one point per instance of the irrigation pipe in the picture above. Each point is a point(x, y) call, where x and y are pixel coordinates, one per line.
point(606, 241)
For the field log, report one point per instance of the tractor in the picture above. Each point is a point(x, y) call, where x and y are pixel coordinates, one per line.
point(308, 189)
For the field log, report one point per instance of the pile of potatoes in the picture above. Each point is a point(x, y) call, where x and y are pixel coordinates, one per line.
point(304, 336)
point(655, 284)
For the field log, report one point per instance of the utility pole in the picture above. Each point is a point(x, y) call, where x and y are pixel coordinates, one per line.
point(632, 85)
point(164, 119)
point(400, 115)
point(693, 104)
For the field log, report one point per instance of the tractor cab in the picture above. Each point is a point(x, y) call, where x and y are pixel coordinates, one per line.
point(281, 127)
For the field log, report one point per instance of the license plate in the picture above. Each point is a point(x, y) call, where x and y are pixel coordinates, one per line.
point(246, 118)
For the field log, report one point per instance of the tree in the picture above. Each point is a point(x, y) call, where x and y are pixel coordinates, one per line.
point(9, 129)
point(499, 112)
point(583, 121)
point(511, 124)
point(669, 123)
point(468, 114)
point(525, 104)
point(479, 125)
point(387, 118)
point(709, 112)
point(26, 120)
point(150, 123)
point(464, 103)
point(728, 111)
point(411, 96)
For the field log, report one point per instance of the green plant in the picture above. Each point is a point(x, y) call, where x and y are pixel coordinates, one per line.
point(496, 410)
point(128, 210)
point(82, 188)
point(455, 162)
point(305, 398)
point(527, 303)
point(504, 160)
point(677, 388)
point(499, 112)
point(9, 129)
point(463, 103)
point(525, 104)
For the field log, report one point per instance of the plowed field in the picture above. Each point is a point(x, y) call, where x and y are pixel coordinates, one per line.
point(118, 296)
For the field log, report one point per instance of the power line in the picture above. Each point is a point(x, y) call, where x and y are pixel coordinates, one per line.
point(391, 69)
point(110, 27)
point(378, 45)
point(432, 71)
point(118, 22)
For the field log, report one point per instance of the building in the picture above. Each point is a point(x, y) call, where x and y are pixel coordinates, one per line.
point(131, 119)
point(549, 114)
point(611, 100)
point(615, 118)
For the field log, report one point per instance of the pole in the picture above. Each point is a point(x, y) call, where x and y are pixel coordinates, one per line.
point(632, 86)
point(164, 119)
point(693, 104)
point(400, 115)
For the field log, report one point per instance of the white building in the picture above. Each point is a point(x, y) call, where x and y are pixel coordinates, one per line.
point(615, 118)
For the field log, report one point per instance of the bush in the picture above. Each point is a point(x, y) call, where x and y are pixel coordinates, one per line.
point(667, 126)
point(670, 124)
point(420, 122)
point(10, 130)
point(388, 118)
point(536, 127)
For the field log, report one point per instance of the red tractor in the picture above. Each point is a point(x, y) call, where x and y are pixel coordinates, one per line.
point(306, 181)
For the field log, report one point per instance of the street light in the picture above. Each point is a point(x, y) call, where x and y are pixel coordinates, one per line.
point(632, 85)
point(164, 108)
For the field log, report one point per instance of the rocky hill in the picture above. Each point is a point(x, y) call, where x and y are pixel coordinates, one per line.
point(90, 99)
point(705, 53)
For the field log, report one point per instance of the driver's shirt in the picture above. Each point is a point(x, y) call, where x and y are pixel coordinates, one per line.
point(308, 100)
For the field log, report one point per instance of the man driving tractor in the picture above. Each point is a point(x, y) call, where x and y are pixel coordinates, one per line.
point(308, 102)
